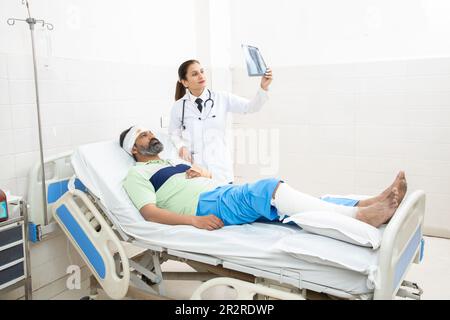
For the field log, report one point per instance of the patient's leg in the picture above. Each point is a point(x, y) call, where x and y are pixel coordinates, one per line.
point(289, 201)
point(399, 183)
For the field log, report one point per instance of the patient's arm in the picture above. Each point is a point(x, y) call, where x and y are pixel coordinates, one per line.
point(152, 213)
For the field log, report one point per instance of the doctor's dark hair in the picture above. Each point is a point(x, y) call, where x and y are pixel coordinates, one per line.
point(180, 90)
point(122, 139)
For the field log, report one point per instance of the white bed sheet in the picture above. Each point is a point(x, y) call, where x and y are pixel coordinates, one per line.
point(102, 168)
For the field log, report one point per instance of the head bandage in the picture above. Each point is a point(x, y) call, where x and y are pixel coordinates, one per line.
point(130, 138)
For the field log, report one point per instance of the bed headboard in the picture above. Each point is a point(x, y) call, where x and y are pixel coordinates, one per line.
point(58, 171)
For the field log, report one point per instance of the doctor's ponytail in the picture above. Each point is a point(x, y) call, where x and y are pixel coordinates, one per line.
point(180, 90)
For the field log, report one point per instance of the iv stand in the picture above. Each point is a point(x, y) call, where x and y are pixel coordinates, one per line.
point(32, 22)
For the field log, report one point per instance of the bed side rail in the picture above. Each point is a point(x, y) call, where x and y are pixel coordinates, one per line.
point(401, 245)
point(95, 241)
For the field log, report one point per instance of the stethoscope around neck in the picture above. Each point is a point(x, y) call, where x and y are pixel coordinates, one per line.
point(205, 105)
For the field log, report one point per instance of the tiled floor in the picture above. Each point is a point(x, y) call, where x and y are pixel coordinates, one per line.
point(433, 276)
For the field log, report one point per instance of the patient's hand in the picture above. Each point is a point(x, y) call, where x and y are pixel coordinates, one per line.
point(210, 222)
point(197, 172)
point(191, 174)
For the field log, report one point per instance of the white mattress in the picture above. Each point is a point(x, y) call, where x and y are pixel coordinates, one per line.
point(102, 168)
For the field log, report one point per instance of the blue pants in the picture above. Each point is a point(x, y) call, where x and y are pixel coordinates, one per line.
point(247, 203)
point(240, 204)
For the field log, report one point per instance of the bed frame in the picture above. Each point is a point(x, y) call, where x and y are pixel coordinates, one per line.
point(99, 239)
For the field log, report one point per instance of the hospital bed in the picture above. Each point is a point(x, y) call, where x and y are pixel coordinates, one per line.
point(89, 204)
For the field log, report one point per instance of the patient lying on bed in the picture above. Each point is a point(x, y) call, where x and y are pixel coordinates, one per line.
point(179, 194)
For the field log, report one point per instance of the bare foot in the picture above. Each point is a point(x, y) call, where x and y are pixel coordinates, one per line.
point(402, 188)
point(385, 193)
point(380, 212)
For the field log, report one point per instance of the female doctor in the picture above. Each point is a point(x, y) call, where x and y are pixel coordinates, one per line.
point(199, 117)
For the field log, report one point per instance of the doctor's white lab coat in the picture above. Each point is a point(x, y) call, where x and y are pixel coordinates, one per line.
point(205, 133)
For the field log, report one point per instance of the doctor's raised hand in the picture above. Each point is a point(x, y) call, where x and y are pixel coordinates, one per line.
point(266, 80)
point(198, 119)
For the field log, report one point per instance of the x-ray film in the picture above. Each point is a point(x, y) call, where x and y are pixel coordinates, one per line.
point(255, 62)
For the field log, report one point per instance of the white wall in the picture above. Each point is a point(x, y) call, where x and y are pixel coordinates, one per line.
point(359, 93)
point(293, 32)
point(106, 66)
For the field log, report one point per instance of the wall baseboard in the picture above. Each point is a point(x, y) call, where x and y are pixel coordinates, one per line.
point(436, 232)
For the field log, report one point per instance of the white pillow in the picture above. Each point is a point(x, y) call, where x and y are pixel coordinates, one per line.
point(338, 226)
point(326, 251)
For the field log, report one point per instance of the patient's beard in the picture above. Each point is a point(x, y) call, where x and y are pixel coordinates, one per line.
point(154, 148)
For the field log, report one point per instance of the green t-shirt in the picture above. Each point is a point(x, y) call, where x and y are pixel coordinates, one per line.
point(177, 194)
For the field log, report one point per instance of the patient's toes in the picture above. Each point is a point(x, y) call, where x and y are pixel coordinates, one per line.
point(404, 185)
point(402, 189)
point(395, 193)
point(391, 202)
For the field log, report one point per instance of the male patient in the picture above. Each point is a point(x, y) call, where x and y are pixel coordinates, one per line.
point(179, 194)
